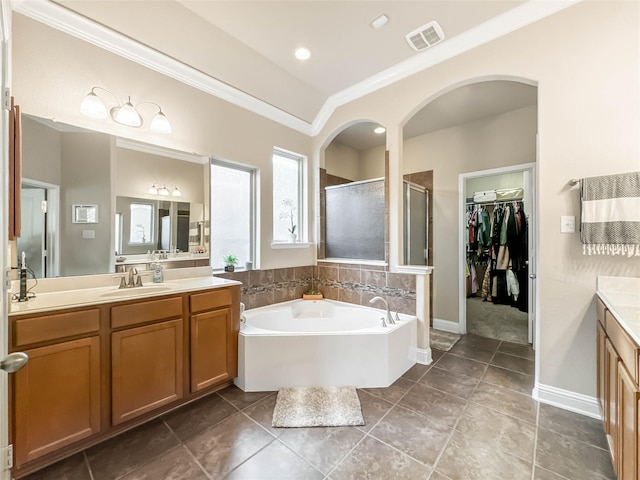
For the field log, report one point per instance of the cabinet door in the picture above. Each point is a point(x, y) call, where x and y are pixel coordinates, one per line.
point(611, 398)
point(214, 353)
point(146, 369)
point(57, 397)
point(628, 396)
point(602, 371)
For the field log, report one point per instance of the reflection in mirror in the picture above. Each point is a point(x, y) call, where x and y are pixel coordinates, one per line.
point(64, 165)
point(355, 159)
point(144, 225)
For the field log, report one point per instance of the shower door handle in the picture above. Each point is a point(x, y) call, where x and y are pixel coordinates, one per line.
point(532, 276)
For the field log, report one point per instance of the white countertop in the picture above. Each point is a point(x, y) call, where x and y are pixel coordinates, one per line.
point(621, 295)
point(81, 297)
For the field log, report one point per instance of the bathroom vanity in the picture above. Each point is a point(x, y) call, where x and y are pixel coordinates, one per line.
point(103, 360)
point(618, 350)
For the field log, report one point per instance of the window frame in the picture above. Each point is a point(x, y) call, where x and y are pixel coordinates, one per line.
point(253, 207)
point(303, 202)
point(153, 223)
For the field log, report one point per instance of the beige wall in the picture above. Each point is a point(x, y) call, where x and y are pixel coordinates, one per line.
point(41, 159)
point(137, 171)
point(86, 179)
point(588, 123)
point(342, 161)
point(52, 72)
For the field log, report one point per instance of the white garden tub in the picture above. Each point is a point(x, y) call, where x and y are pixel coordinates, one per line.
point(322, 343)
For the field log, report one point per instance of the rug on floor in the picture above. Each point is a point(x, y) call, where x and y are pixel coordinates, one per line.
point(443, 341)
point(317, 407)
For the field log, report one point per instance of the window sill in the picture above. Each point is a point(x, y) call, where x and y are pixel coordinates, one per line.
point(285, 245)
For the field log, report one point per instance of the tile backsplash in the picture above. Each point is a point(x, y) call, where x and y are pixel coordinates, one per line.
point(346, 282)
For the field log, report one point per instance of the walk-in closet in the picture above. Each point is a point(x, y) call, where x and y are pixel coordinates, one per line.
point(497, 257)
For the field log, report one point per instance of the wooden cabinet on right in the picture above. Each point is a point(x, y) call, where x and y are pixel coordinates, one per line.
point(618, 393)
point(214, 337)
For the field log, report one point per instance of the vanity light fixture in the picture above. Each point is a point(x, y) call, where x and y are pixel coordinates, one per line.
point(176, 192)
point(379, 130)
point(154, 189)
point(125, 114)
point(164, 191)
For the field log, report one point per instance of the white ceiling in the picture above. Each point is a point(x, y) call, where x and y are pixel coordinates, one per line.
point(247, 46)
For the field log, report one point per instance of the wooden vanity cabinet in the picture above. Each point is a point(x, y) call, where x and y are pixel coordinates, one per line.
point(146, 360)
point(56, 399)
point(214, 337)
point(95, 372)
point(618, 393)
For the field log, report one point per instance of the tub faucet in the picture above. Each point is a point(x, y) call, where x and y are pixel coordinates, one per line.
point(243, 319)
point(390, 320)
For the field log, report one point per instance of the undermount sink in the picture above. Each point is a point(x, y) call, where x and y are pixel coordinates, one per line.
point(126, 292)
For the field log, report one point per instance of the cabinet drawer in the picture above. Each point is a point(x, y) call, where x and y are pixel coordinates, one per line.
point(210, 300)
point(142, 312)
point(54, 327)
point(600, 310)
point(624, 345)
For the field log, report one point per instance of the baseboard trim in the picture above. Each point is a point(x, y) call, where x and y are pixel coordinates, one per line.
point(446, 325)
point(568, 400)
point(423, 356)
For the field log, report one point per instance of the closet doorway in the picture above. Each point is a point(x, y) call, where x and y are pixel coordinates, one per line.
point(497, 251)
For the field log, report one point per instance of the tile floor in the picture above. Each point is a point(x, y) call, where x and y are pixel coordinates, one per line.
point(468, 416)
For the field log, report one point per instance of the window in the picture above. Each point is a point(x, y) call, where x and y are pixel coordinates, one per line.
point(233, 198)
point(141, 224)
point(288, 196)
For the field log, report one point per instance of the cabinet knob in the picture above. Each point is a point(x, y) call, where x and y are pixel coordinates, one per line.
point(14, 362)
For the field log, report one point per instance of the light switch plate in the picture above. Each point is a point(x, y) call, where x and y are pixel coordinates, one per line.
point(568, 224)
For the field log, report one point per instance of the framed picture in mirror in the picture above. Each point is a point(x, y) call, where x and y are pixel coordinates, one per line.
point(84, 213)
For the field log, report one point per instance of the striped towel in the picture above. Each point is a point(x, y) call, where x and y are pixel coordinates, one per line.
point(610, 218)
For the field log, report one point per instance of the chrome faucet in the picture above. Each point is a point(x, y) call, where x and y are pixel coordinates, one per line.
point(390, 320)
point(243, 319)
point(135, 280)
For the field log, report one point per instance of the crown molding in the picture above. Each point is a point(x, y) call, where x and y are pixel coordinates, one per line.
point(160, 151)
point(60, 18)
point(80, 27)
point(514, 19)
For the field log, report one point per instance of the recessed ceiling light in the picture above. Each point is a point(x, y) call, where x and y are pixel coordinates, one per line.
point(380, 21)
point(379, 130)
point(302, 53)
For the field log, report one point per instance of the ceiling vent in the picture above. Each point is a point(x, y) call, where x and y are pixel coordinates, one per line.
point(426, 36)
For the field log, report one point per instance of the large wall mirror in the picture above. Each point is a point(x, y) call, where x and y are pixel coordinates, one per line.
point(80, 188)
point(353, 194)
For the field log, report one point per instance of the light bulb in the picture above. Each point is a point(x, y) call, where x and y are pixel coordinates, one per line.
point(163, 191)
point(127, 115)
point(160, 123)
point(153, 190)
point(176, 192)
point(92, 106)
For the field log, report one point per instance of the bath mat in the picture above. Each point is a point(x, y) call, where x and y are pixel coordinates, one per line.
point(443, 341)
point(317, 407)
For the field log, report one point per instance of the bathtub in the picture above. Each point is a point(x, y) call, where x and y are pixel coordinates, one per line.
point(304, 343)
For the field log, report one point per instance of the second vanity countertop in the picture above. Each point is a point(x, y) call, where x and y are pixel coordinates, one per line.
point(621, 295)
point(70, 297)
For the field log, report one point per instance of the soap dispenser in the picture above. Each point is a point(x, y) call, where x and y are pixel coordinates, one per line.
point(158, 274)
